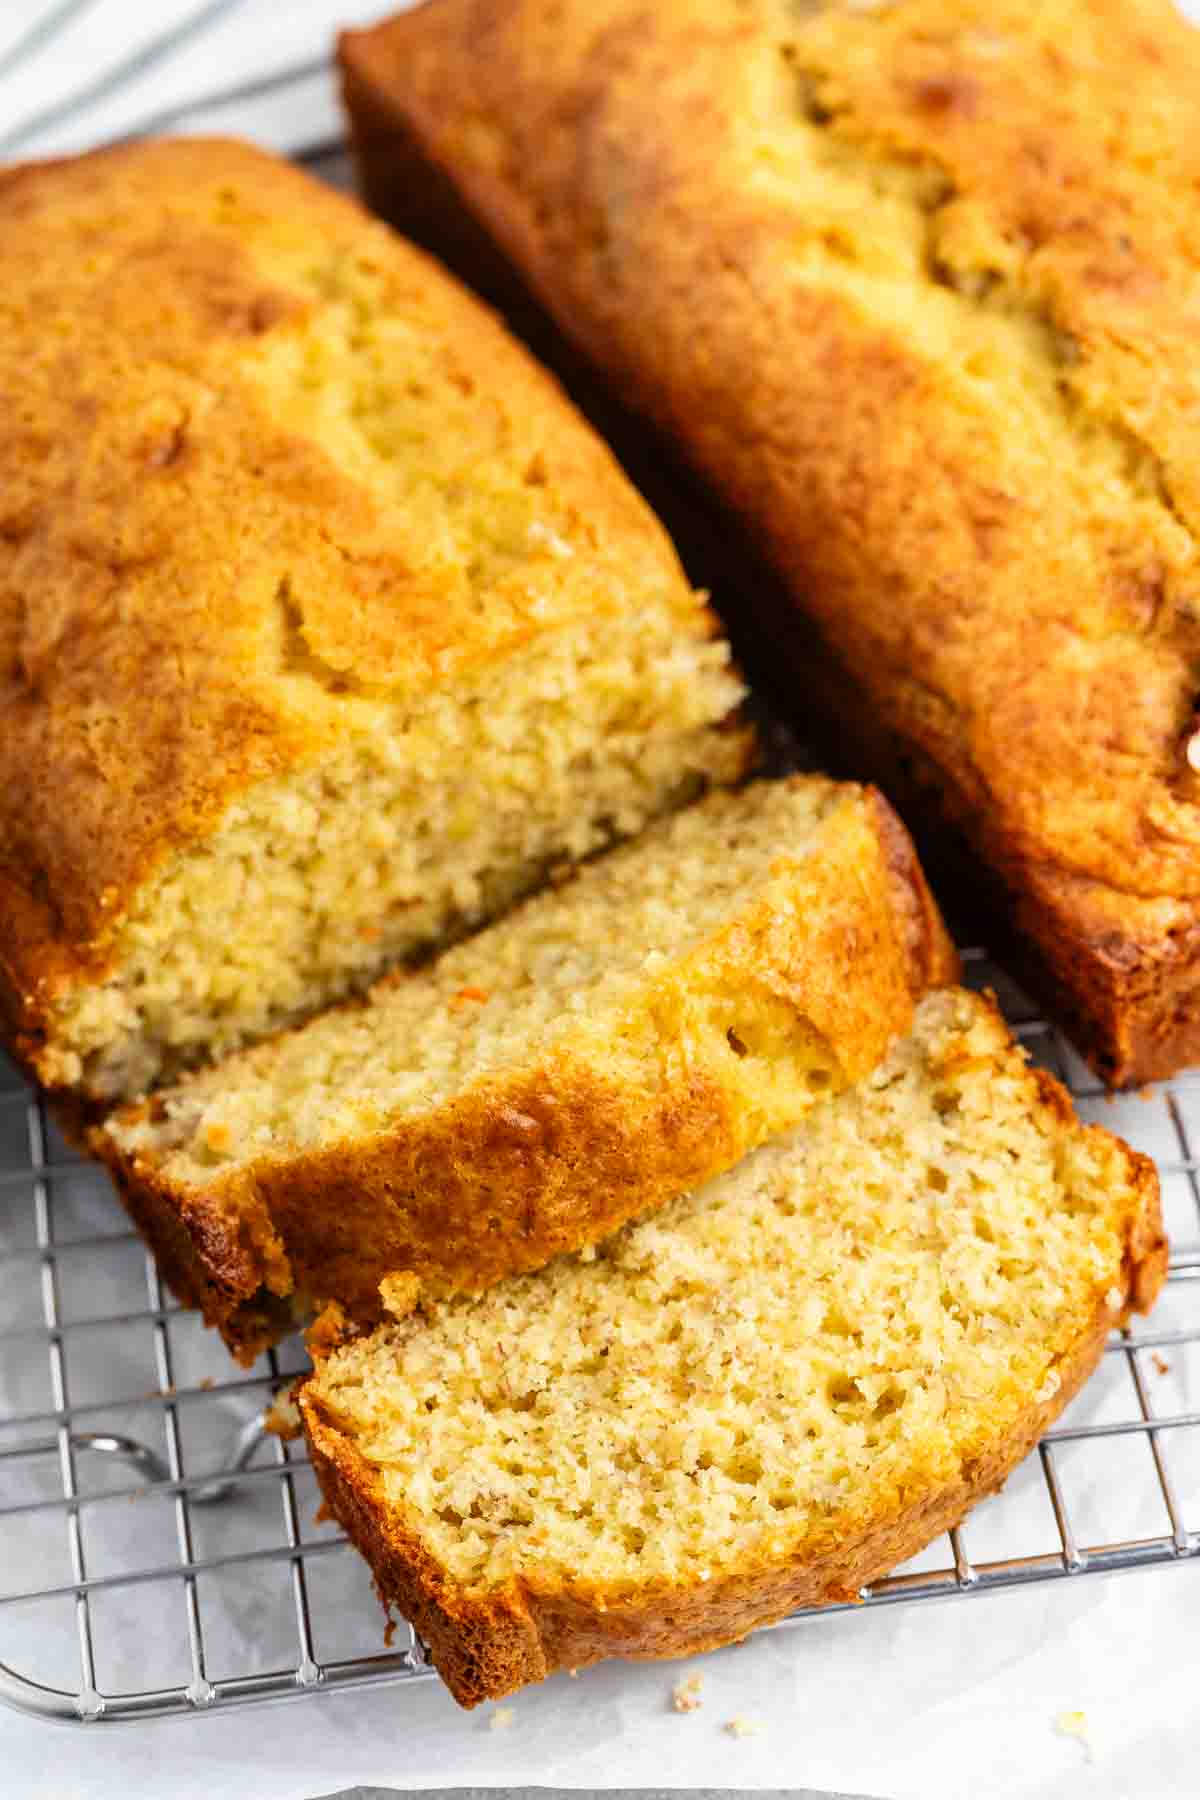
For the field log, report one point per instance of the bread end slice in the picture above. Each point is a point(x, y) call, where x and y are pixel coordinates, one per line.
point(765, 1397)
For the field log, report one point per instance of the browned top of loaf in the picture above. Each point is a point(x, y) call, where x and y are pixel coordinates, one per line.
point(921, 284)
point(194, 588)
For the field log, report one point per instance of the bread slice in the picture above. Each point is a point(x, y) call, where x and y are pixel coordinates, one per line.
point(609, 1045)
point(763, 1397)
point(910, 288)
point(326, 624)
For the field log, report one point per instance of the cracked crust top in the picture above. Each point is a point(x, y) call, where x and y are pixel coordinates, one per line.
point(919, 284)
point(213, 560)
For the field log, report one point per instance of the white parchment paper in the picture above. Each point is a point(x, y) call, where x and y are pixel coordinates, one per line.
point(918, 1703)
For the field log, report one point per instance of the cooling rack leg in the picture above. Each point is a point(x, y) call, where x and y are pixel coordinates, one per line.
point(223, 1485)
point(1165, 1483)
point(1073, 1558)
point(89, 1702)
point(308, 1670)
point(200, 1690)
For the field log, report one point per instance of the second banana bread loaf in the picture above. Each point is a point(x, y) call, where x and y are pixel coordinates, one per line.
point(913, 288)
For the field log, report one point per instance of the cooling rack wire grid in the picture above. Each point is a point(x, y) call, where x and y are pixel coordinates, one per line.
point(161, 1552)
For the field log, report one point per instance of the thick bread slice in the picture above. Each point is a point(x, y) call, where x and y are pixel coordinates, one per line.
point(910, 286)
point(763, 1397)
point(326, 625)
point(606, 1047)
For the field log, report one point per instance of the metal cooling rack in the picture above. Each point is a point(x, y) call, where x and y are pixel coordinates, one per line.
point(159, 1552)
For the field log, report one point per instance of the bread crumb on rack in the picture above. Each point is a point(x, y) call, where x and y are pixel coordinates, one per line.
point(742, 1727)
point(1161, 1363)
point(1075, 1725)
point(282, 1417)
point(501, 1719)
point(685, 1695)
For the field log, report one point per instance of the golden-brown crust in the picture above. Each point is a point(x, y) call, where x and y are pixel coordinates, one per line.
point(485, 1646)
point(1121, 975)
point(149, 671)
point(934, 959)
point(516, 1169)
point(1022, 624)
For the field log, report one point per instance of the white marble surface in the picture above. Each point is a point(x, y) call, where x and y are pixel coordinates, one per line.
point(914, 1703)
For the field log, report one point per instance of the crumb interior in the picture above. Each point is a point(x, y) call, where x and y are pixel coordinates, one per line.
point(572, 962)
point(423, 826)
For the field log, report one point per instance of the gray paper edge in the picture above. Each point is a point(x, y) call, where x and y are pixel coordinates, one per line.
point(558, 1793)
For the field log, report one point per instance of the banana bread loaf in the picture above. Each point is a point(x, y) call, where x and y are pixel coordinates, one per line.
point(326, 623)
point(764, 1396)
point(912, 287)
point(605, 1047)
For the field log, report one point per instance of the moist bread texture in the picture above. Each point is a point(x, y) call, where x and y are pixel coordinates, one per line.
point(764, 1396)
point(912, 288)
point(326, 625)
point(609, 1045)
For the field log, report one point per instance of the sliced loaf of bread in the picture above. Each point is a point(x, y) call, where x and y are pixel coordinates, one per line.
point(764, 1396)
point(609, 1045)
point(327, 626)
